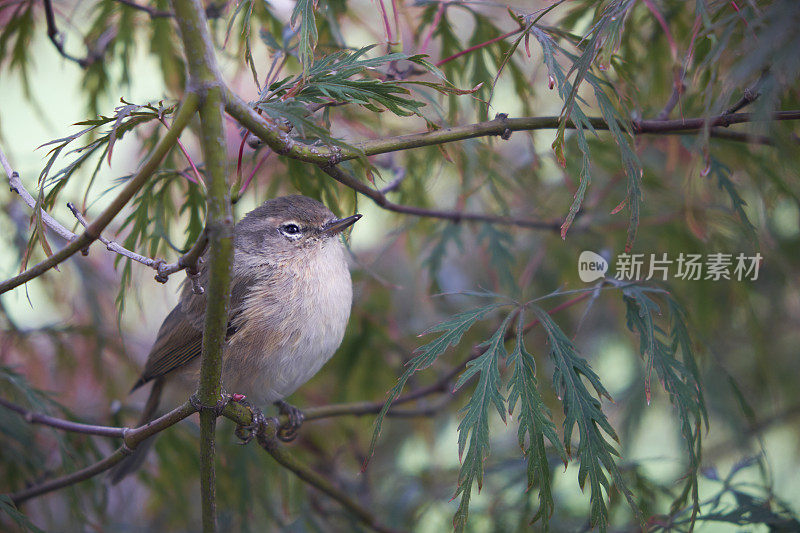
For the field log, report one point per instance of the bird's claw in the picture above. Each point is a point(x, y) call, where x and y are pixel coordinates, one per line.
point(249, 432)
point(288, 432)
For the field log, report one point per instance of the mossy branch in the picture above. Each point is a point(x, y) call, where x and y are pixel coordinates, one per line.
point(204, 79)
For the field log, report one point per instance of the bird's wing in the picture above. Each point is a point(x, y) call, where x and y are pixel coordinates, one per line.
point(180, 338)
point(178, 342)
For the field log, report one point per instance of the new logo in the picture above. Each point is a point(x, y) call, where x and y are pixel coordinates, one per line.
point(591, 266)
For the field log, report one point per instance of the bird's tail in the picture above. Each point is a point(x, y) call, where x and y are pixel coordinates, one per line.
point(132, 462)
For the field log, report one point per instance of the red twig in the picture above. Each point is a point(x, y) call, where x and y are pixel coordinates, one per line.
point(197, 178)
point(239, 158)
point(569, 303)
point(435, 24)
point(673, 48)
point(253, 173)
point(478, 46)
point(739, 12)
point(386, 26)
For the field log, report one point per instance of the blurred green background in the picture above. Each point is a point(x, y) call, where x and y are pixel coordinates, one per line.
point(69, 333)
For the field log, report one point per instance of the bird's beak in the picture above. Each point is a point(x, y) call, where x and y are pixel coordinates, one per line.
point(337, 226)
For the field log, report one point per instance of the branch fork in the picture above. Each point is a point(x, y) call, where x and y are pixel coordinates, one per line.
point(189, 261)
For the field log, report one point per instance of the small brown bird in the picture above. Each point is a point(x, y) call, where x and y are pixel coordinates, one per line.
point(290, 301)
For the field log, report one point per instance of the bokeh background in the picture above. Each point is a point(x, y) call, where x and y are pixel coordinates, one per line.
point(82, 334)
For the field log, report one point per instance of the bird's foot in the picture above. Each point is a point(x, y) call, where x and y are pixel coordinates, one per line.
point(288, 432)
point(249, 432)
point(217, 408)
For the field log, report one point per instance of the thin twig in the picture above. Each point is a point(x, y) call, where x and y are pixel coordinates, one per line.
point(111, 245)
point(456, 216)
point(184, 114)
point(16, 185)
point(737, 136)
point(59, 423)
point(236, 195)
point(319, 482)
point(370, 408)
point(395, 183)
point(188, 261)
point(153, 12)
point(677, 90)
point(132, 438)
point(55, 36)
point(93, 55)
point(434, 25)
point(243, 417)
point(198, 179)
point(747, 98)
point(212, 10)
point(749, 95)
point(752, 429)
point(163, 269)
point(478, 47)
point(266, 432)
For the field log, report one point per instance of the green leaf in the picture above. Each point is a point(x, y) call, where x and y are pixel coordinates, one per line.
point(304, 10)
point(535, 423)
point(331, 79)
point(680, 377)
point(500, 244)
point(576, 115)
point(608, 27)
point(126, 118)
point(640, 312)
point(723, 175)
point(475, 424)
point(452, 330)
point(19, 27)
point(595, 453)
point(448, 232)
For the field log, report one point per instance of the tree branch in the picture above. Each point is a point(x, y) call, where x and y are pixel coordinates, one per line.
point(244, 417)
point(187, 261)
point(59, 423)
point(92, 232)
point(151, 11)
point(266, 432)
point(205, 78)
point(57, 38)
point(497, 127)
point(163, 269)
point(16, 185)
point(456, 216)
point(371, 408)
point(282, 143)
point(131, 439)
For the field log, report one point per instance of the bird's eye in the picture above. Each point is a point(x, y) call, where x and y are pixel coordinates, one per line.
point(291, 231)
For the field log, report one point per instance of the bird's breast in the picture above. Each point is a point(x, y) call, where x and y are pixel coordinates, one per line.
point(289, 325)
